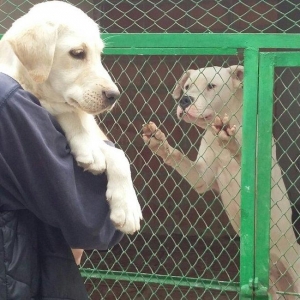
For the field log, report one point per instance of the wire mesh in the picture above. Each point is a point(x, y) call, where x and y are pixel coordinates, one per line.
point(204, 16)
point(286, 124)
point(185, 234)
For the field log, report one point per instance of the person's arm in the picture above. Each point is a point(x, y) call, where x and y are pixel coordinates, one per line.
point(40, 174)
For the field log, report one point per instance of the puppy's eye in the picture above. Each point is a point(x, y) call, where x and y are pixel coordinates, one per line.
point(187, 87)
point(211, 86)
point(77, 53)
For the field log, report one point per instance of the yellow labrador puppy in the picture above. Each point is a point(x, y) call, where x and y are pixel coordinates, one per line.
point(54, 51)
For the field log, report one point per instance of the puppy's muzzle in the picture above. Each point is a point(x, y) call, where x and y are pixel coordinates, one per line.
point(185, 102)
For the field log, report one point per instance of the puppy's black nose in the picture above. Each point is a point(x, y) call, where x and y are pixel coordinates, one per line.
point(111, 95)
point(185, 102)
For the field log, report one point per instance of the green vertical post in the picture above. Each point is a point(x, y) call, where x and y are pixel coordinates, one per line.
point(264, 164)
point(248, 173)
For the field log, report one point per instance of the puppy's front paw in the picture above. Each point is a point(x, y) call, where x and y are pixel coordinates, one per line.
point(125, 210)
point(94, 161)
point(88, 155)
point(155, 139)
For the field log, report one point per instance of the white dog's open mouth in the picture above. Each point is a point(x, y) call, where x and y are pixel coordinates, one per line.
point(198, 120)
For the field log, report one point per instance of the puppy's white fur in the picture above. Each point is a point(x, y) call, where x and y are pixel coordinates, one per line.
point(39, 51)
point(216, 95)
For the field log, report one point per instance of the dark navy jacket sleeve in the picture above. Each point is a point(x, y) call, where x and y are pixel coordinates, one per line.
point(38, 173)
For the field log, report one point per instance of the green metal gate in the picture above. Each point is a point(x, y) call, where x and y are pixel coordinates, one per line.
point(256, 160)
point(186, 248)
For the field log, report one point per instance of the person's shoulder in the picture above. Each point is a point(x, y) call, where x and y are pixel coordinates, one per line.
point(13, 95)
point(8, 86)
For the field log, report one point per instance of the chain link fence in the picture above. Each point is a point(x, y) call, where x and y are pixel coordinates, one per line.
point(187, 248)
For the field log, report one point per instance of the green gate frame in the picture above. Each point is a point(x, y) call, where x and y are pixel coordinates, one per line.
point(256, 169)
point(267, 63)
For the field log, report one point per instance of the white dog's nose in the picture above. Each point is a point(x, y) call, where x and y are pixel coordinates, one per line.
point(111, 95)
point(185, 102)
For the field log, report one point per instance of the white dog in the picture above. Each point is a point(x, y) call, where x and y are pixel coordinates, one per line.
point(54, 51)
point(212, 97)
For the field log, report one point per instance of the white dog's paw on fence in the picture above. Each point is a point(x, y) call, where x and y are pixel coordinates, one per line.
point(156, 140)
point(226, 134)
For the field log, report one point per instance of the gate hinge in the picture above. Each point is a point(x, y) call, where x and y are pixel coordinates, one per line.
point(254, 290)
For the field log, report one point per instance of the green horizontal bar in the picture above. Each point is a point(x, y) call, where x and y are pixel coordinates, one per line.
point(286, 59)
point(169, 51)
point(161, 279)
point(287, 294)
point(233, 41)
point(201, 40)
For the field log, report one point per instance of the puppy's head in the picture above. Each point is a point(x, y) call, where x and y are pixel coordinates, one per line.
point(203, 93)
point(60, 48)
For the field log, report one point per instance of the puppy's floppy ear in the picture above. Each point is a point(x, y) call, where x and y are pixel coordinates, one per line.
point(34, 44)
point(237, 75)
point(180, 84)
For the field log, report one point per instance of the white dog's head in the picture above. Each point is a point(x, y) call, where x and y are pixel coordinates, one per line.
point(60, 48)
point(207, 92)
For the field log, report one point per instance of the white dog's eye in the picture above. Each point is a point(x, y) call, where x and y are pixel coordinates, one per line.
point(77, 53)
point(211, 86)
point(187, 87)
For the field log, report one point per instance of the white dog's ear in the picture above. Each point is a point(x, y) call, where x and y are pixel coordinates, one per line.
point(237, 75)
point(34, 45)
point(180, 84)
